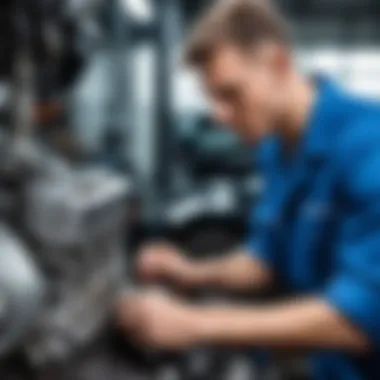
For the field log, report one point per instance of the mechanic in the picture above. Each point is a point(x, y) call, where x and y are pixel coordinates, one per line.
point(316, 229)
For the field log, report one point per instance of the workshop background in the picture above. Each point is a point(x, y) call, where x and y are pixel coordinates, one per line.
point(123, 102)
point(169, 141)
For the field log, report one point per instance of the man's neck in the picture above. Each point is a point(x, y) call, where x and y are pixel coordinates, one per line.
point(300, 99)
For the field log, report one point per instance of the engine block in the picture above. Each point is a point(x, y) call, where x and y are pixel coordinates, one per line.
point(78, 227)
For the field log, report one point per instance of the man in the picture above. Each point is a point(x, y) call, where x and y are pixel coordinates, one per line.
point(317, 226)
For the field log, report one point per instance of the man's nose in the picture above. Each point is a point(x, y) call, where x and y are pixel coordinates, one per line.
point(222, 114)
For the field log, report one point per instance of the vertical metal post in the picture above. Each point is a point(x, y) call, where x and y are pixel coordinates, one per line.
point(23, 91)
point(120, 44)
point(166, 133)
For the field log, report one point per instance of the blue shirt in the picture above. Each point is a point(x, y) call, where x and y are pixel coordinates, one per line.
point(317, 224)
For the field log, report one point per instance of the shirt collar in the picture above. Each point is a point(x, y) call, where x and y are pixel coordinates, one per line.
point(321, 128)
point(324, 118)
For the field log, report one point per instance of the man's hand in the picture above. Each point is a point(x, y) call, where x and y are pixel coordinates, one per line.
point(238, 271)
point(159, 262)
point(156, 320)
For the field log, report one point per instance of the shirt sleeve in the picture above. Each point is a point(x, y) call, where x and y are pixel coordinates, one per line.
point(355, 289)
point(260, 242)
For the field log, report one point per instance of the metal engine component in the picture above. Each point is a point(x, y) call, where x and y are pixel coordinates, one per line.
point(22, 290)
point(71, 222)
point(78, 223)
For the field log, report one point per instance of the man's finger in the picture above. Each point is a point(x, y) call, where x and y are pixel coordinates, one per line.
point(128, 312)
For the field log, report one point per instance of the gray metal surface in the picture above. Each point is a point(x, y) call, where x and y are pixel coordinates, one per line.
point(21, 290)
point(78, 223)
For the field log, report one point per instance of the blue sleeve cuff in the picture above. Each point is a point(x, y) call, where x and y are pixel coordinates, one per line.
point(258, 250)
point(359, 303)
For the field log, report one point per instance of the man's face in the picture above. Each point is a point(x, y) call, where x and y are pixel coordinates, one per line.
point(247, 89)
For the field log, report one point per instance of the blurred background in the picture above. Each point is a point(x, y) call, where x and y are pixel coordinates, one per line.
point(169, 141)
point(106, 142)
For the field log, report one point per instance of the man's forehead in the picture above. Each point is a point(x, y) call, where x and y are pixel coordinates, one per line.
point(226, 56)
point(225, 64)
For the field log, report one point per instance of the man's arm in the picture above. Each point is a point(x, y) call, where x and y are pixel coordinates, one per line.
point(307, 324)
point(160, 321)
point(238, 272)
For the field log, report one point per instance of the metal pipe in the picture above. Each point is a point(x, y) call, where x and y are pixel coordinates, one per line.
point(166, 133)
point(120, 43)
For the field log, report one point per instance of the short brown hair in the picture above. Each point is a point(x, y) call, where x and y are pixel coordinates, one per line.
point(243, 23)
